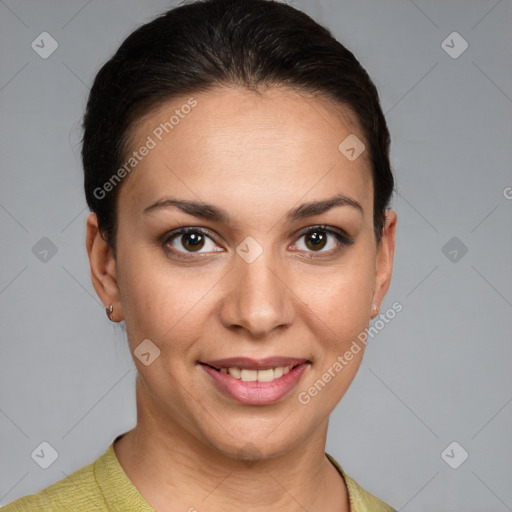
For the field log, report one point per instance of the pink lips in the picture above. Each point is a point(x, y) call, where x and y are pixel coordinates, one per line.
point(256, 393)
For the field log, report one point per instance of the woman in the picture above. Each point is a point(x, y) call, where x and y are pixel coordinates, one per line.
point(236, 167)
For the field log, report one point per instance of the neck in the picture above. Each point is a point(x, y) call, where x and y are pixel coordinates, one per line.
point(175, 470)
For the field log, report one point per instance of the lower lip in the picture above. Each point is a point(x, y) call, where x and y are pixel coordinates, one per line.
point(257, 393)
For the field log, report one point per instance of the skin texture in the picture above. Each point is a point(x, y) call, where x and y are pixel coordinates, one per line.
point(256, 156)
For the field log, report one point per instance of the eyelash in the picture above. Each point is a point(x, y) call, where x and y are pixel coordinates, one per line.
point(343, 239)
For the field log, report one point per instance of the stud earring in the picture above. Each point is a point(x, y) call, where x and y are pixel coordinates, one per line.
point(109, 309)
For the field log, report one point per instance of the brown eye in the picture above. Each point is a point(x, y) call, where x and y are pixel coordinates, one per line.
point(322, 240)
point(316, 240)
point(192, 241)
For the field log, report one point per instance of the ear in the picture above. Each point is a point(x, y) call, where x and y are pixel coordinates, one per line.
point(103, 268)
point(384, 260)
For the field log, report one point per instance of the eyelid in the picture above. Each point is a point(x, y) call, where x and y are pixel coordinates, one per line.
point(186, 229)
point(343, 238)
point(170, 235)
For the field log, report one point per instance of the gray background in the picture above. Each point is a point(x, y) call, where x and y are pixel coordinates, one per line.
point(438, 373)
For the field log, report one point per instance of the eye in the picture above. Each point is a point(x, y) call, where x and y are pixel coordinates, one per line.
point(317, 239)
point(320, 239)
point(191, 240)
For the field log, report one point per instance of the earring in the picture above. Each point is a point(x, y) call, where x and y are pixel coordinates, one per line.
point(109, 309)
point(375, 308)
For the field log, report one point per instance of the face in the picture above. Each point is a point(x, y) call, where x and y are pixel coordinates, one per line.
point(244, 232)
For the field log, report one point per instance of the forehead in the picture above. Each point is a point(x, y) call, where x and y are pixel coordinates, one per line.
point(276, 142)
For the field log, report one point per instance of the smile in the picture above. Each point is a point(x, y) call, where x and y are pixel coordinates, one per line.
point(256, 382)
point(248, 375)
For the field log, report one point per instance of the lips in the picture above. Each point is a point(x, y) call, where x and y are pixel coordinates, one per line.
point(256, 381)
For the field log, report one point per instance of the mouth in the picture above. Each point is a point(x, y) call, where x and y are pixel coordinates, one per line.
point(256, 382)
point(252, 370)
point(248, 375)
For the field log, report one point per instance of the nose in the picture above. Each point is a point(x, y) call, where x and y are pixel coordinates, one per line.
point(257, 299)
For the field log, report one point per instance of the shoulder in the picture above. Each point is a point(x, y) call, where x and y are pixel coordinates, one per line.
point(77, 491)
point(360, 499)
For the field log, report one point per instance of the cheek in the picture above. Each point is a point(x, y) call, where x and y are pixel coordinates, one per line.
point(339, 309)
point(163, 304)
point(343, 296)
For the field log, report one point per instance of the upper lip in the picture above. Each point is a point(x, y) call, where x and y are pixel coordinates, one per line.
point(255, 364)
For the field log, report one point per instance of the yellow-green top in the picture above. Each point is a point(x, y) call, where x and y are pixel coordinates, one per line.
point(104, 486)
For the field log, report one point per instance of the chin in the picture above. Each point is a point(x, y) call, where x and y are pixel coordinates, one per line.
point(251, 443)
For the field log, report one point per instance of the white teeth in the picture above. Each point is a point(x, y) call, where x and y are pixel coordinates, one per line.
point(234, 372)
point(265, 375)
point(247, 375)
point(278, 372)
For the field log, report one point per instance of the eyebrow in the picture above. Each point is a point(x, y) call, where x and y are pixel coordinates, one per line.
point(211, 212)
